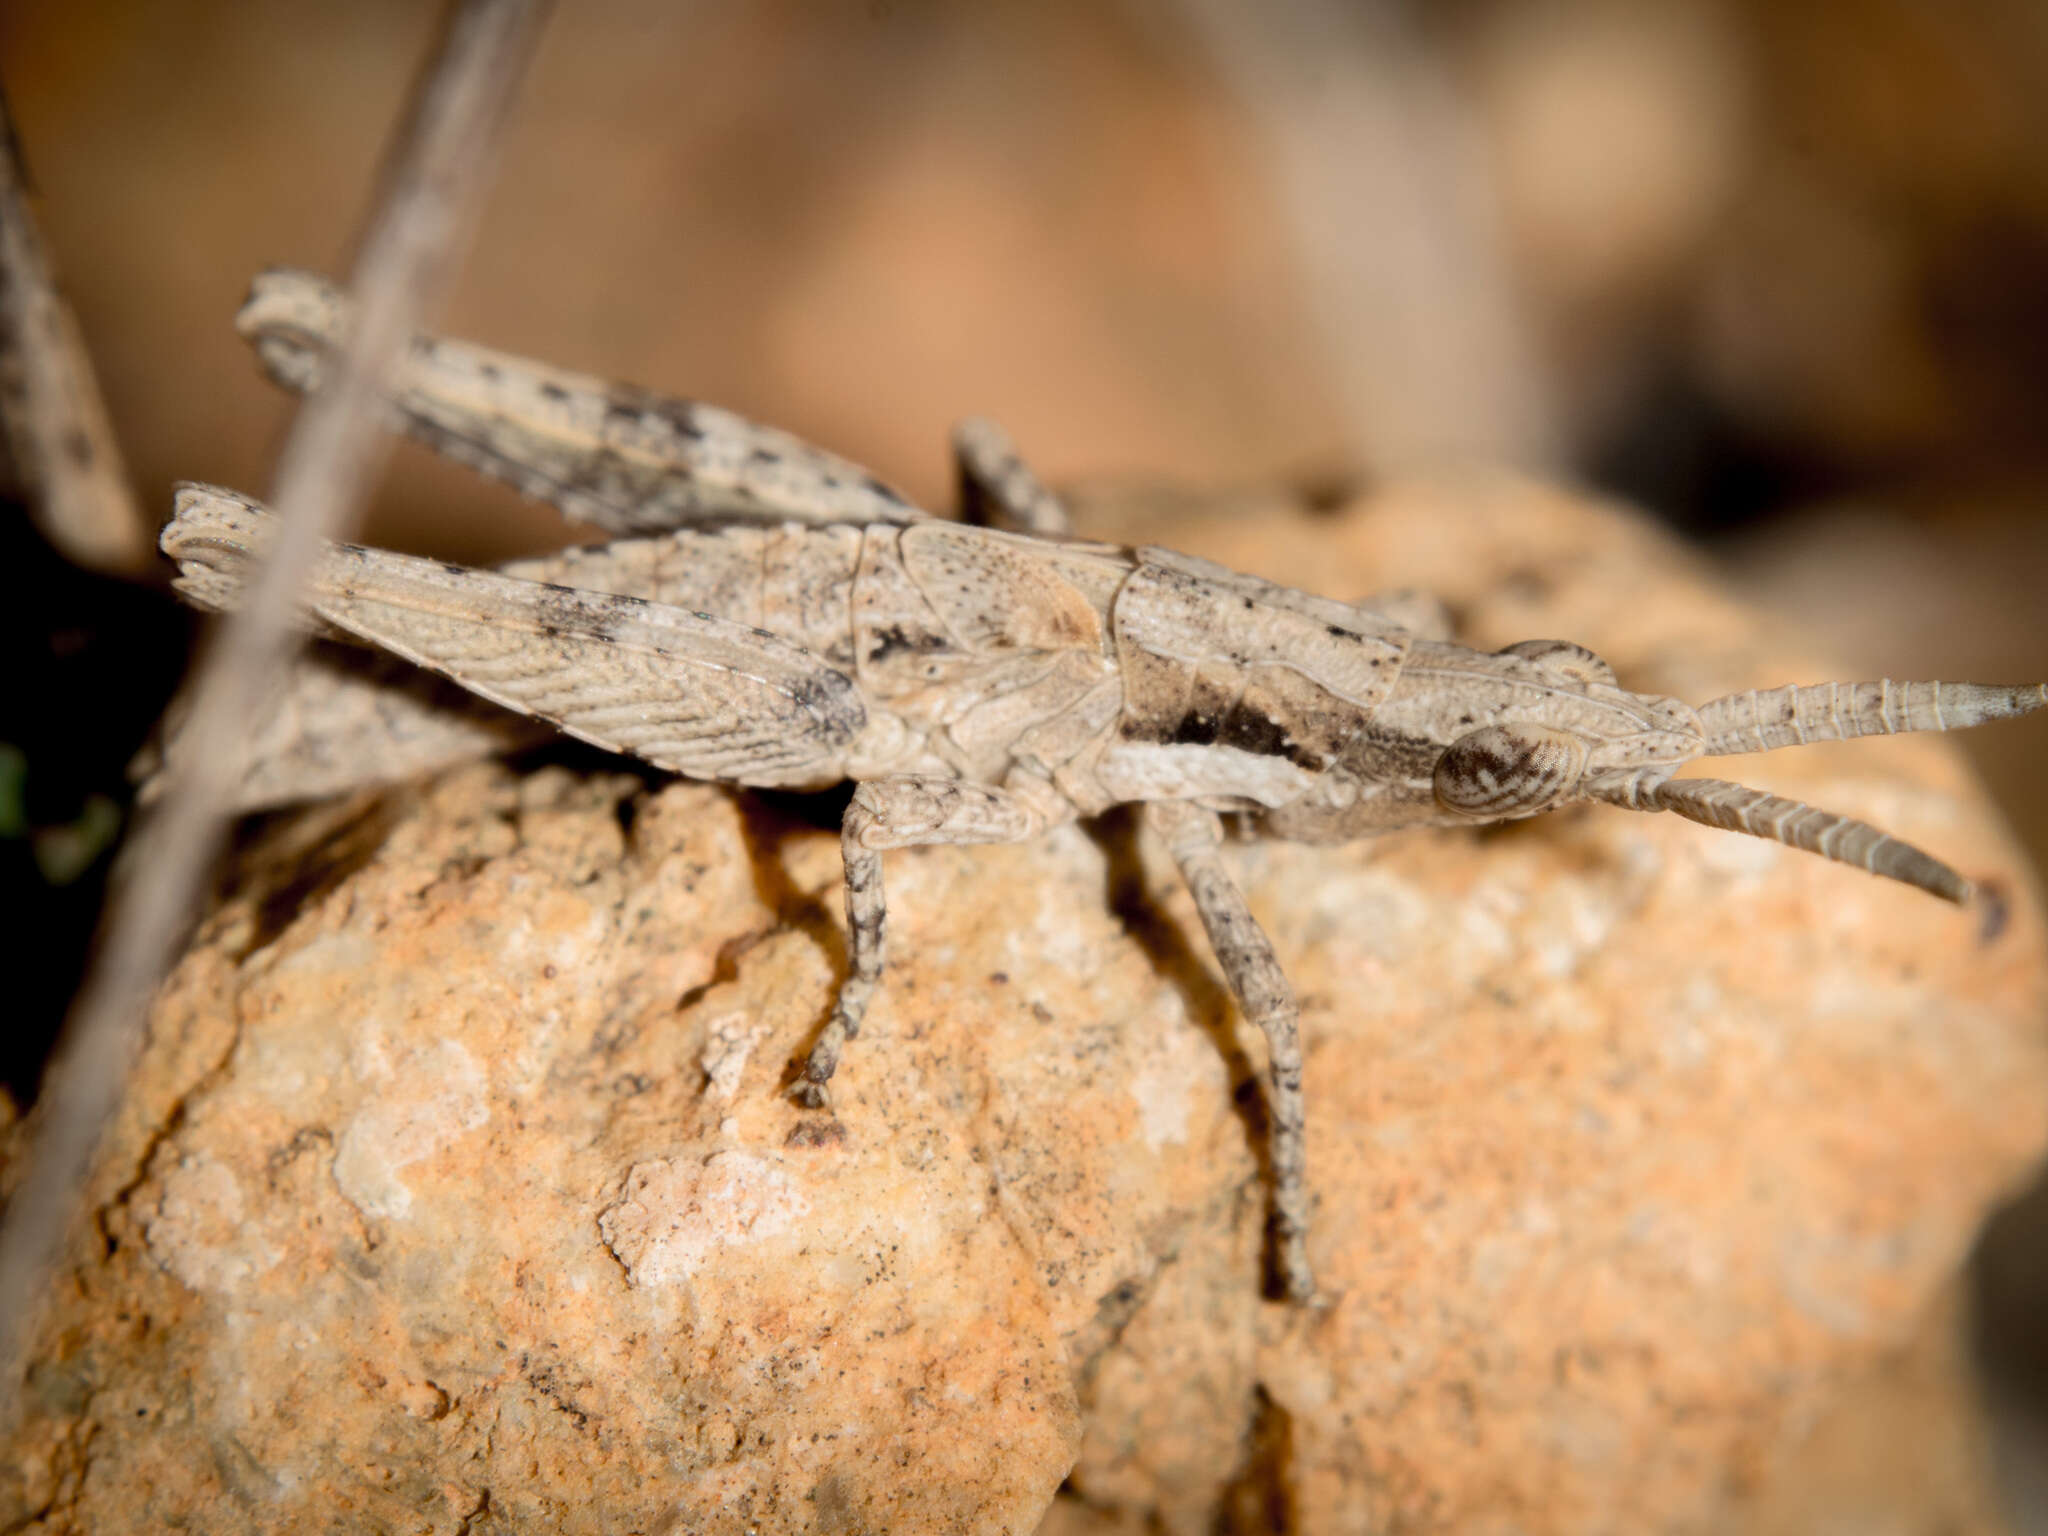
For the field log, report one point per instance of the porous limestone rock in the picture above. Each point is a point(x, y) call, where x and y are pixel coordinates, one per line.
point(457, 1192)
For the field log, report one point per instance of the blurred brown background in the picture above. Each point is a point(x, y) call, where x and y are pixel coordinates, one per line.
point(1775, 269)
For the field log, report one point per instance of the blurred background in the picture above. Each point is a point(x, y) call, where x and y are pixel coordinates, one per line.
point(1774, 270)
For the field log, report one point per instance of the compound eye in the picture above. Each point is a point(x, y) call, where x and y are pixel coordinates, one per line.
point(1508, 770)
point(1563, 658)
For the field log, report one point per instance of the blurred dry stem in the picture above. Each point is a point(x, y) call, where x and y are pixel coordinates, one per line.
point(328, 463)
point(1386, 193)
point(52, 417)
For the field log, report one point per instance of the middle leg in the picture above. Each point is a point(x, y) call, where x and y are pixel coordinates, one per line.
point(997, 488)
point(905, 813)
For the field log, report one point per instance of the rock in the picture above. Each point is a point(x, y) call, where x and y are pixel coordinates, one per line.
point(456, 1191)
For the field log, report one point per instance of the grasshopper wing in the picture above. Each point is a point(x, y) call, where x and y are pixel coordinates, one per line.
point(688, 692)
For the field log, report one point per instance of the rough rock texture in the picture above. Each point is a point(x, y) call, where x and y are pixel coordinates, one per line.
point(456, 1193)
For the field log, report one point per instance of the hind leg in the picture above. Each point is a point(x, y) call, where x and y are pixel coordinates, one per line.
point(1193, 835)
point(626, 459)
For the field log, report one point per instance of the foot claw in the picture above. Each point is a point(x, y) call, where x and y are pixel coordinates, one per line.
point(811, 1094)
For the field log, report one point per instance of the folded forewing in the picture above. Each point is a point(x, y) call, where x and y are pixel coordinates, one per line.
point(690, 692)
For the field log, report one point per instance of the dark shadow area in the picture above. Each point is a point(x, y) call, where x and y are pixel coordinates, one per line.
point(92, 661)
point(1257, 1501)
point(773, 817)
point(1679, 452)
point(1192, 971)
point(2007, 1285)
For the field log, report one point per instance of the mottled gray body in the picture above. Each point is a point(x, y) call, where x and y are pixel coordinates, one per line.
point(771, 615)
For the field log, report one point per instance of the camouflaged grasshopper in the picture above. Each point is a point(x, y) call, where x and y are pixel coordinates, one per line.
point(770, 615)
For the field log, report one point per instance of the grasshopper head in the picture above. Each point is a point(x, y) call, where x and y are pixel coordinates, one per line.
point(1542, 724)
point(1468, 737)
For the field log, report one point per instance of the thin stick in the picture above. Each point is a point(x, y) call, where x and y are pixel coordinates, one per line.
point(1381, 181)
point(52, 416)
point(423, 216)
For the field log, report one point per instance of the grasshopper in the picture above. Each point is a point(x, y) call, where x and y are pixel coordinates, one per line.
point(767, 614)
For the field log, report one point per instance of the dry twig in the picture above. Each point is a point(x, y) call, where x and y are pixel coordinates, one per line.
point(426, 208)
point(52, 417)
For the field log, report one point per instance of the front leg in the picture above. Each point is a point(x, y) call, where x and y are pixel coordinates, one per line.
point(1194, 834)
point(905, 813)
point(1422, 614)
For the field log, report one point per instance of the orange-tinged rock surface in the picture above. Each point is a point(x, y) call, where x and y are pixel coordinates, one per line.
point(456, 1190)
